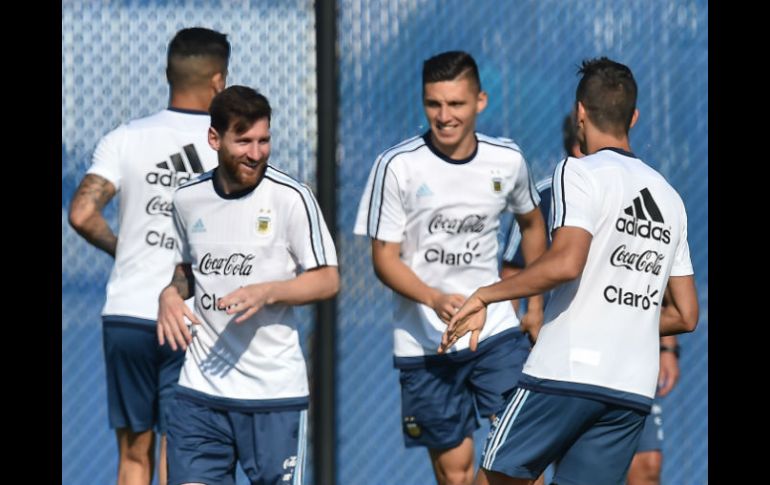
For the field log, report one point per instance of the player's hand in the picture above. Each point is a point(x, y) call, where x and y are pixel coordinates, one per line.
point(246, 299)
point(469, 318)
point(446, 305)
point(668, 375)
point(171, 325)
point(531, 323)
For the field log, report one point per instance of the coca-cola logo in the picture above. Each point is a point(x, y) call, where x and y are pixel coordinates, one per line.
point(648, 261)
point(237, 264)
point(159, 206)
point(473, 223)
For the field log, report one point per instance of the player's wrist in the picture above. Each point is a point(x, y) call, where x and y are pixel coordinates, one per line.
point(674, 349)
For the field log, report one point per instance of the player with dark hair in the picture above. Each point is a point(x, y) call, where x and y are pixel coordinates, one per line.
point(591, 377)
point(142, 162)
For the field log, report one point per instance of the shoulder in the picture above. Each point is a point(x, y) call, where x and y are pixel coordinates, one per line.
point(400, 150)
point(193, 186)
point(499, 142)
point(287, 185)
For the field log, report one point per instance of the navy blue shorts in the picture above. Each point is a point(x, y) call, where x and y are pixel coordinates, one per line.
point(593, 442)
point(141, 375)
point(652, 433)
point(441, 400)
point(204, 444)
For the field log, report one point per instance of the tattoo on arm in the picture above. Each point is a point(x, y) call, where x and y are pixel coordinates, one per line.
point(184, 280)
point(86, 212)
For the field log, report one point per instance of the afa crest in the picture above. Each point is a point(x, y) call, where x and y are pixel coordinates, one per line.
point(497, 184)
point(264, 222)
point(411, 427)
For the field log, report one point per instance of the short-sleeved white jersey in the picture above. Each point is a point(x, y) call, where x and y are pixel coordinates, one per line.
point(602, 329)
point(269, 233)
point(445, 213)
point(146, 160)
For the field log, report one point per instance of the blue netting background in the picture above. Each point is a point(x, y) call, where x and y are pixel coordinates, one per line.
point(113, 55)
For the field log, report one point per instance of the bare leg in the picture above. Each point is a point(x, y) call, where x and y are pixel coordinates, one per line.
point(645, 468)
point(137, 456)
point(454, 466)
point(488, 477)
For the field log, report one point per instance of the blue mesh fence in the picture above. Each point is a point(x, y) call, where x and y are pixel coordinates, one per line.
point(528, 54)
point(113, 56)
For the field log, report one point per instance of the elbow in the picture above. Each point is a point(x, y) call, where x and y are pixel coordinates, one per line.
point(690, 321)
point(571, 271)
point(77, 219)
point(332, 286)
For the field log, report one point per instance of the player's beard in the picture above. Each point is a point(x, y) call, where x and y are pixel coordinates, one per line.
point(238, 174)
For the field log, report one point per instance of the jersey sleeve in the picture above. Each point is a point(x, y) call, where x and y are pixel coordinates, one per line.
point(381, 212)
point(179, 230)
point(512, 254)
point(309, 239)
point(523, 198)
point(106, 159)
point(575, 200)
point(682, 265)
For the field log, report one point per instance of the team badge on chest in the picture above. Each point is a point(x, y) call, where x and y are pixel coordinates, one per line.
point(497, 182)
point(264, 225)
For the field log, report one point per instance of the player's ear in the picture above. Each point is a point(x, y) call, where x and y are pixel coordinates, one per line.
point(217, 82)
point(214, 139)
point(481, 101)
point(634, 117)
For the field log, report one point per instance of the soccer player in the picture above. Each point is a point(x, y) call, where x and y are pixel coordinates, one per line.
point(431, 208)
point(591, 377)
point(252, 244)
point(142, 162)
point(646, 466)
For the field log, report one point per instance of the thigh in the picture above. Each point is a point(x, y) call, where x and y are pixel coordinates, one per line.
point(602, 454)
point(652, 431)
point(168, 367)
point(131, 370)
point(201, 446)
point(272, 446)
point(534, 430)
point(496, 373)
point(437, 406)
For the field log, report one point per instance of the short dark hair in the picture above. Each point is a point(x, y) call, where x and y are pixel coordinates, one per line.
point(194, 55)
point(448, 66)
point(607, 91)
point(238, 107)
point(569, 133)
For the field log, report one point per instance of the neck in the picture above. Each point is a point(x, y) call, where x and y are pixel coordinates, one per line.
point(191, 100)
point(596, 140)
point(462, 150)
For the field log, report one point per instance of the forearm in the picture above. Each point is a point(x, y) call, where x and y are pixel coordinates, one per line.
point(314, 285)
point(183, 281)
point(541, 276)
point(96, 231)
point(398, 276)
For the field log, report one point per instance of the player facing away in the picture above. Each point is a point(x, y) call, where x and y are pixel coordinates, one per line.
point(431, 207)
point(252, 245)
point(646, 466)
point(142, 162)
point(591, 377)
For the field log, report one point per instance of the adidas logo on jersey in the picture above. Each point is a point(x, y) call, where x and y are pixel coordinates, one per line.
point(179, 171)
point(646, 219)
point(424, 191)
point(198, 226)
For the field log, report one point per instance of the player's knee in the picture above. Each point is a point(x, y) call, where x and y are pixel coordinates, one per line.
point(458, 476)
point(646, 468)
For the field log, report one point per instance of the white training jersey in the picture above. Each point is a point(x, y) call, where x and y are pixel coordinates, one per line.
point(445, 213)
point(146, 160)
point(602, 329)
point(269, 233)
